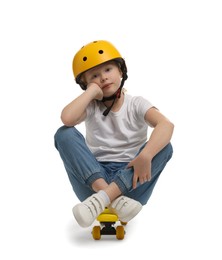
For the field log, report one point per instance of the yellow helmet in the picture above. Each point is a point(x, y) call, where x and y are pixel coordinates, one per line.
point(94, 54)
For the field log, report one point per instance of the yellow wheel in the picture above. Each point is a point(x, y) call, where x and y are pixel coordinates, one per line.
point(96, 233)
point(123, 223)
point(120, 232)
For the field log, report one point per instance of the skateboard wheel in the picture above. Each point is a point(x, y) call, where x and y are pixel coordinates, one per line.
point(123, 223)
point(120, 232)
point(96, 232)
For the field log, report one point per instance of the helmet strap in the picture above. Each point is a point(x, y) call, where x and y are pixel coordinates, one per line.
point(116, 95)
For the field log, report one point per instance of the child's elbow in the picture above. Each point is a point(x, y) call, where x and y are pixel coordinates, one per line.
point(66, 120)
point(171, 126)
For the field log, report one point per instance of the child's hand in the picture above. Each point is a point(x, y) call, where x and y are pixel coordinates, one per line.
point(142, 169)
point(97, 91)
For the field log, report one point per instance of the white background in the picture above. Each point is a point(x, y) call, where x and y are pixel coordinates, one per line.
point(174, 57)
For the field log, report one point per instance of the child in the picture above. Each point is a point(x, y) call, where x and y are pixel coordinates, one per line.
point(115, 166)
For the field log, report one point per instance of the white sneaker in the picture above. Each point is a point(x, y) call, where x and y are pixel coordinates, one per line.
point(86, 212)
point(126, 208)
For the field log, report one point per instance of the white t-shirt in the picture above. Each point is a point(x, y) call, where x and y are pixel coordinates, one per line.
point(118, 136)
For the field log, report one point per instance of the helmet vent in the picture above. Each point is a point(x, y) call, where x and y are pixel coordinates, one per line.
point(100, 51)
point(85, 58)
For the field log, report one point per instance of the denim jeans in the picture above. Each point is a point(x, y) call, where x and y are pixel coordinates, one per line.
point(83, 168)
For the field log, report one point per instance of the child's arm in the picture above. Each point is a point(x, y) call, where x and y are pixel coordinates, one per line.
point(75, 111)
point(160, 137)
point(162, 132)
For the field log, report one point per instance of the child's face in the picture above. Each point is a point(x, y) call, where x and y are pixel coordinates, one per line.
point(107, 76)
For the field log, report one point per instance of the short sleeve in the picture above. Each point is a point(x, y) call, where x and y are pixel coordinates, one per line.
point(141, 105)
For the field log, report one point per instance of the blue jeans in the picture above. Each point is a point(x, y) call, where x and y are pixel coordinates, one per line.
point(83, 168)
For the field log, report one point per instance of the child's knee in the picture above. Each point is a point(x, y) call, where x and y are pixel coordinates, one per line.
point(61, 134)
point(169, 150)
